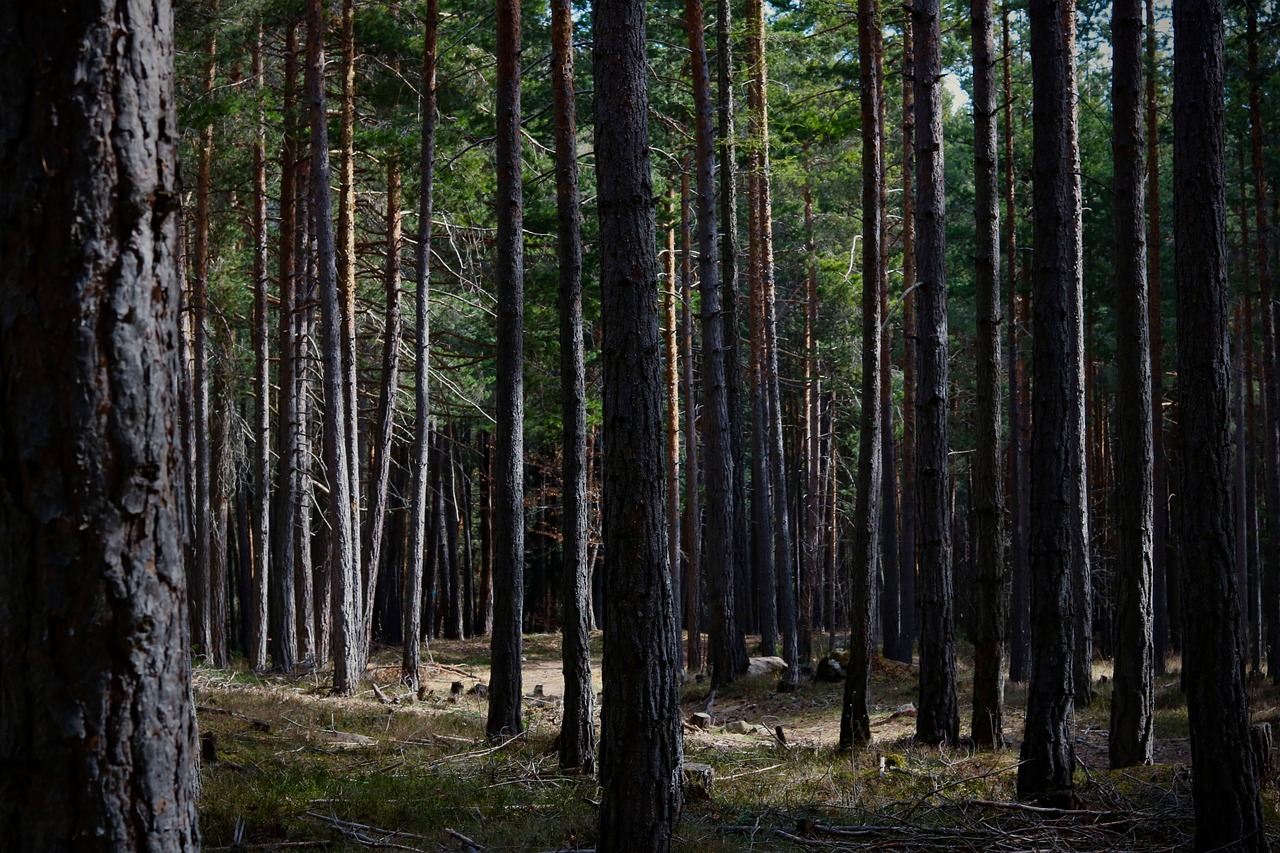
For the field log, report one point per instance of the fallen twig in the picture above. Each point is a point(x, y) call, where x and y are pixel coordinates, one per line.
point(467, 841)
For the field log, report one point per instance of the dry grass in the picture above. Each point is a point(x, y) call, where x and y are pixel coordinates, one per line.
point(299, 769)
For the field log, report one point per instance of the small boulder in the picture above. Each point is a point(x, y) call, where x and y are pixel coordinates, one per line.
point(739, 727)
point(764, 666)
point(479, 689)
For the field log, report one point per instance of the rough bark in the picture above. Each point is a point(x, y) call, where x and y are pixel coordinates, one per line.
point(1164, 586)
point(855, 716)
point(641, 750)
point(1059, 515)
point(1133, 690)
point(1225, 787)
point(671, 385)
point(577, 732)
point(729, 253)
point(726, 653)
point(411, 657)
point(257, 598)
point(908, 538)
point(939, 715)
point(346, 268)
point(344, 575)
point(1020, 614)
point(992, 569)
point(504, 718)
point(98, 733)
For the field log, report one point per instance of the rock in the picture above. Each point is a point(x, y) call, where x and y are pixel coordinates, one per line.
point(537, 690)
point(698, 780)
point(701, 720)
point(739, 727)
point(479, 689)
point(764, 666)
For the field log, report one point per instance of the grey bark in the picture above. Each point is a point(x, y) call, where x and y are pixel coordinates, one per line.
point(939, 714)
point(991, 629)
point(641, 750)
point(344, 574)
point(411, 657)
point(1059, 516)
point(855, 716)
point(508, 566)
point(577, 731)
point(1228, 807)
point(1133, 690)
point(98, 732)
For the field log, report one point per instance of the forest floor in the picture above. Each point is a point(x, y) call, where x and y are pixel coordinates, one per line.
point(298, 769)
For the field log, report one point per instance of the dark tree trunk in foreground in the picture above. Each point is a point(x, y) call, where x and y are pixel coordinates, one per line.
point(939, 713)
point(993, 577)
point(1133, 691)
point(1058, 511)
point(344, 576)
point(411, 659)
point(508, 469)
point(1225, 788)
point(577, 733)
point(641, 746)
point(726, 654)
point(855, 716)
point(97, 736)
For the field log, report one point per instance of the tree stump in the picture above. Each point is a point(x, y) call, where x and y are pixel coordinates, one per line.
point(1260, 740)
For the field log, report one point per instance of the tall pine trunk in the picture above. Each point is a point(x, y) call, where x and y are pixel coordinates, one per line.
point(257, 598)
point(992, 570)
point(504, 718)
point(1059, 516)
point(939, 714)
point(1228, 807)
point(1133, 691)
point(577, 732)
point(641, 729)
point(855, 717)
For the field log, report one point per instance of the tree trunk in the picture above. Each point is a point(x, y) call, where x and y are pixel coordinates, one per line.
point(1270, 383)
point(812, 566)
point(992, 570)
point(693, 498)
point(312, 594)
point(1164, 586)
point(411, 657)
point(641, 751)
point(939, 715)
point(508, 517)
point(855, 716)
point(1059, 516)
point(671, 383)
point(98, 733)
point(729, 252)
point(577, 731)
point(344, 574)
point(1228, 807)
point(1020, 614)
point(726, 652)
point(1133, 691)
point(257, 598)
point(201, 571)
point(380, 479)
point(908, 538)
point(346, 267)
